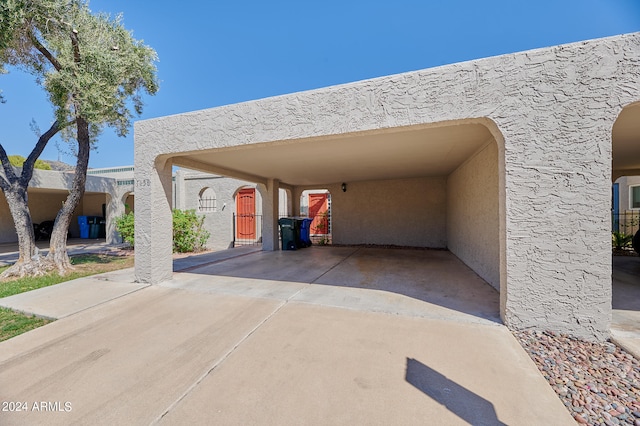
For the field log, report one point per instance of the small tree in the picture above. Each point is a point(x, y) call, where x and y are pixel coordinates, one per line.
point(93, 70)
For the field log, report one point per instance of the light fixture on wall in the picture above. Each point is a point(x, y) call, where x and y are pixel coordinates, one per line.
point(344, 187)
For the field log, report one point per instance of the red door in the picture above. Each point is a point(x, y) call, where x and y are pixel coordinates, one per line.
point(319, 212)
point(246, 214)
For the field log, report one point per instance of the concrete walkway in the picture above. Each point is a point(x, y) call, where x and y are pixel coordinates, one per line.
point(316, 336)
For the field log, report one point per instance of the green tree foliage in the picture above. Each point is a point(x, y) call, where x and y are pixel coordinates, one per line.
point(18, 161)
point(90, 65)
point(93, 70)
point(188, 232)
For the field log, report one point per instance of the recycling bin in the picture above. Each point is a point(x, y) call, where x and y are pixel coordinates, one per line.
point(83, 223)
point(305, 227)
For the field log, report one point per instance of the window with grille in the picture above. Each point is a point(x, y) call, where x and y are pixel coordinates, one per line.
point(207, 200)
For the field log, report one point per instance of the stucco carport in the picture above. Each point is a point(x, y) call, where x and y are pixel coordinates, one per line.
point(506, 161)
point(48, 190)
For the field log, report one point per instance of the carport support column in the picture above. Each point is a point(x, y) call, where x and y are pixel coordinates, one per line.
point(153, 222)
point(270, 208)
point(115, 208)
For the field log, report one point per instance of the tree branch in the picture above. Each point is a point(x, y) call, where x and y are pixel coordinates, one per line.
point(27, 167)
point(45, 52)
point(9, 172)
point(75, 43)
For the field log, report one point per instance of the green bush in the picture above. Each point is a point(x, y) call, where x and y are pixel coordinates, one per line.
point(620, 240)
point(124, 225)
point(188, 232)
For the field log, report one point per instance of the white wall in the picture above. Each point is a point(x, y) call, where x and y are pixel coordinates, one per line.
point(473, 215)
point(625, 182)
point(404, 212)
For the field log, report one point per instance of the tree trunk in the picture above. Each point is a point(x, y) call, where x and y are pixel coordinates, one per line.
point(29, 261)
point(58, 255)
point(15, 191)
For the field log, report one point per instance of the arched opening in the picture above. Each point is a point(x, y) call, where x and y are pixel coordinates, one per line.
point(207, 201)
point(625, 223)
point(315, 204)
point(128, 201)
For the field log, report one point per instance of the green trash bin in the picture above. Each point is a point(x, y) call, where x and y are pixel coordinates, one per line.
point(289, 233)
point(94, 226)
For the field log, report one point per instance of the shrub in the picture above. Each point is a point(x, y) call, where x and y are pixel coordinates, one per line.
point(188, 232)
point(620, 239)
point(124, 225)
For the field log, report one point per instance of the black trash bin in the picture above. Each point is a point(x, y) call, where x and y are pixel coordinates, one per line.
point(289, 233)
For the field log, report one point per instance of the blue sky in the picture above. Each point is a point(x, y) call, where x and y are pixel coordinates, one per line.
point(221, 52)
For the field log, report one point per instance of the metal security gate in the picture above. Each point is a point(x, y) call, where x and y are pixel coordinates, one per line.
point(247, 229)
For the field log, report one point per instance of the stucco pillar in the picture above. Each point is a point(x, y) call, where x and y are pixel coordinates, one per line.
point(180, 191)
point(557, 258)
point(270, 199)
point(153, 222)
point(115, 209)
point(295, 201)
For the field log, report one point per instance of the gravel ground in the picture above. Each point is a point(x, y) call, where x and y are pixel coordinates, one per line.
point(599, 383)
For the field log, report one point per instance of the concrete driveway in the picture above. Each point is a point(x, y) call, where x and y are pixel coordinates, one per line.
point(325, 335)
point(625, 319)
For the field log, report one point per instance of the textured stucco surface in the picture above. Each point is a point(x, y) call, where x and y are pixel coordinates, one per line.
point(402, 212)
point(473, 217)
point(550, 110)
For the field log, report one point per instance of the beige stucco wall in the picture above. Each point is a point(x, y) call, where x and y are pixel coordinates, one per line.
point(403, 212)
point(43, 206)
point(7, 230)
point(551, 112)
point(473, 214)
point(49, 189)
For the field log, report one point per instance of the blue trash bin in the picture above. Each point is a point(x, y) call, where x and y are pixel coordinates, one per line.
point(305, 230)
point(83, 222)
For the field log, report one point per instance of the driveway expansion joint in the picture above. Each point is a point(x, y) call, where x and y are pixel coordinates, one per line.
point(222, 359)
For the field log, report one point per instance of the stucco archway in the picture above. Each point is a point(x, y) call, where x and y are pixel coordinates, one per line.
point(553, 111)
point(625, 294)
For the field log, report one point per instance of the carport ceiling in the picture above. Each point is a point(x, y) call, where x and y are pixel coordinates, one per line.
point(390, 154)
point(626, 139)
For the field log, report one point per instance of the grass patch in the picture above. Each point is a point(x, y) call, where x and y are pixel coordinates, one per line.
point(14, 323)
point(85, 265)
